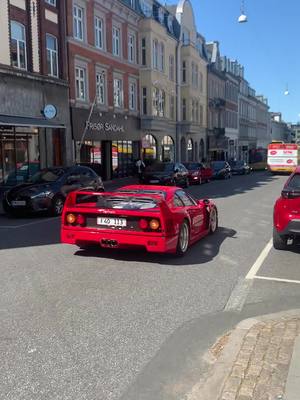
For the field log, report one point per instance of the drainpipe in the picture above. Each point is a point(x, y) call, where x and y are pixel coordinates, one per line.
point(178, 156)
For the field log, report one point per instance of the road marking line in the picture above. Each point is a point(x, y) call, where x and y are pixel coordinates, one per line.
point(239, 295)
point(259, 262)
point(267, 278)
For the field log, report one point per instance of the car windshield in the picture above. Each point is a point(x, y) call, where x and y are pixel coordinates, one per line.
point(160, 167)
point(218, 164)
point(46, 176)
point(191, 165)
point(294, 183)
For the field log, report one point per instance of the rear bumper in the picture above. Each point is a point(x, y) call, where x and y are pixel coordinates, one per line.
point(292, 228)
point(105, 238)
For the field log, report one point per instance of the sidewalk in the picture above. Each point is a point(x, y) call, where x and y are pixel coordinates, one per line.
point(258, 360)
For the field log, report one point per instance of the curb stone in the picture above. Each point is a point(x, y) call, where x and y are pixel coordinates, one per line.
point(210, 386)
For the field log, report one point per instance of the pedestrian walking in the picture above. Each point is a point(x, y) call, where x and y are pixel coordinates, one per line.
point(140, 166)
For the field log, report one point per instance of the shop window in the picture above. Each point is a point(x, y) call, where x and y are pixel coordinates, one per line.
point(149, 148)
point(52, 55)
point(18, 45)
point(167, 149)
point(122, 159)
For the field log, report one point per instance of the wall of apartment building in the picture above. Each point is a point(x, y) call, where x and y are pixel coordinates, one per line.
point(112, 129)
point(216, 109)
point(27, 84)
point(263, 129)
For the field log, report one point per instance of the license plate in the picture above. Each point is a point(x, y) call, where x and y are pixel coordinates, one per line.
point(18, 203)
point(154, 181)
point(121, 222)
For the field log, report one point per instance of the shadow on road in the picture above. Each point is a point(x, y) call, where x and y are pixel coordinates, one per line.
point(200, 253)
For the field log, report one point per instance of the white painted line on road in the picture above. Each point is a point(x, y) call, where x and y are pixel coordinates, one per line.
point(260, 260)
point(28, 224)
point(239, 295)
point(268, 278)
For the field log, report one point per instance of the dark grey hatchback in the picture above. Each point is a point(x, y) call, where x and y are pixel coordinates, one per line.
point(48, 189)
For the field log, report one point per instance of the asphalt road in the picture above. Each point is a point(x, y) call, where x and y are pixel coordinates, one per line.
point(128, 325)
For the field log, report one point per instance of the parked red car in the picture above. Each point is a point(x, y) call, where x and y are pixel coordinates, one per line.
point(157, 218)
point(198, 172)
point(287, 213)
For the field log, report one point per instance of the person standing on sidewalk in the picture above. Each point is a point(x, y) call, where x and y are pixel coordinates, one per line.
point(140, 168)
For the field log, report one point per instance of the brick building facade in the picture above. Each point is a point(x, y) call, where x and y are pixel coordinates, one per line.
point(103, 62)
point(34, 115)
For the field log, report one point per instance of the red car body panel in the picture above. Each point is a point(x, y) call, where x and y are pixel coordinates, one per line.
point(199, 175)
point(163, 240)
point(287, 211)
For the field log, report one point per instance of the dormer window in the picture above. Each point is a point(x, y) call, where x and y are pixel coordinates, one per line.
point(161, 15)
point(146, 6)
point(170, 23)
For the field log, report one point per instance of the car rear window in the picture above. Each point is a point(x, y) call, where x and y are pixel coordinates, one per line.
point(144, 191)
point(192, 165)
point(160, 167)
point(116, 202)
point(294, 183)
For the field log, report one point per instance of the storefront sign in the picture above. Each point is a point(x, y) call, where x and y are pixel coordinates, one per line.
point(106, 127)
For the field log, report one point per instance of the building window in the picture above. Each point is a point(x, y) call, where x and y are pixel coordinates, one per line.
point(161, 57)
point(183, 72)
point(171, 68)
point(78, 25)
point(99, 32)
point(132, 96)
point(201, 115)
point(172, 107)
point(197, 111)
point(183, 109)
point(118, 93)
point(144, 57)
point(144, 99)
point(18, 45)
point(146, 7)
point(116, 41)
point(52, 55)
point(195, 75)
point(51, 2)
point(131, 47)
point(80, 75)
point(155, 54)
point(201, 82)
point(101, 87)
point(159, 102)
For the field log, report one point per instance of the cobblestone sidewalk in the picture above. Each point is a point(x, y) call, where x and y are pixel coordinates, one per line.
point(261, 367)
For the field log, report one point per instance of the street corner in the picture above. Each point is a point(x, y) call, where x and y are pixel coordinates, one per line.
point(254, 361)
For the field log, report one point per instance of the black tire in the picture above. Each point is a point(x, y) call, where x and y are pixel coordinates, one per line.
point(57, 205)
point(213, 221)
point(279, 241)
point(183, 239)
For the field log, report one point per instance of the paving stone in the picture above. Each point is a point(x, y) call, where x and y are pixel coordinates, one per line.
point(238, 371)
point(232, 384)
point(247, 387)
point(228, 396)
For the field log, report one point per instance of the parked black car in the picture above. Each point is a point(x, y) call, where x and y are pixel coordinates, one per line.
point(239, 167)
point(221, 170)
point(48, 189)
point(166, 173)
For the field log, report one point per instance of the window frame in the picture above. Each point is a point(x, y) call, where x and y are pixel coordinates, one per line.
point(121, 92)
point(51, 51)
point(116, 41)
point(51, 2)
point(132, 105)
point(81, 80)
point(77, 20)
point(99, 32)
point(131, 47)
point(102, 85)
point(18, 41)
point(143, 52)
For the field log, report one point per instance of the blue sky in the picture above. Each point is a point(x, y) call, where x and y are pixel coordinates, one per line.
point(268, 45)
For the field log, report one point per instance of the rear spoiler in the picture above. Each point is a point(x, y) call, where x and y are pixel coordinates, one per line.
point(85, 196)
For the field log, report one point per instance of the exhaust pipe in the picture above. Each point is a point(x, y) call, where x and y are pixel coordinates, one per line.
point(109, 243)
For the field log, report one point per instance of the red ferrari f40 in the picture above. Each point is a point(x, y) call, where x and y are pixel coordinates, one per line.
point(157, 218)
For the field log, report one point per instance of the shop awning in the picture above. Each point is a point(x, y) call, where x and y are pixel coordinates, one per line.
point(11, 120)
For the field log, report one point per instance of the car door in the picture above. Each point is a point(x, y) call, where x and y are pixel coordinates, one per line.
point(195, 212)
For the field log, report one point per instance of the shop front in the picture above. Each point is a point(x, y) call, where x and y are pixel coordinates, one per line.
point(26, 145)
point(107, 142)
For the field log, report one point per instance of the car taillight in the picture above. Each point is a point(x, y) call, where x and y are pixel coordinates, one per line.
point(71, 218)
point(80, 220)
point(154, 224)
point(143, 224)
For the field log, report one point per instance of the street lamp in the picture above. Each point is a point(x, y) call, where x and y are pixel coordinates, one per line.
point(243, 17)
point(286, 92)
